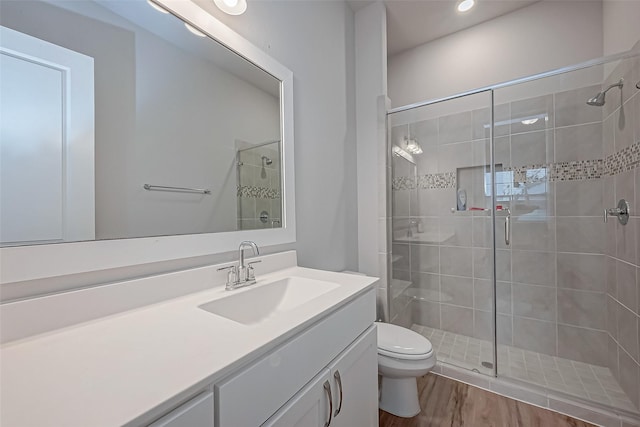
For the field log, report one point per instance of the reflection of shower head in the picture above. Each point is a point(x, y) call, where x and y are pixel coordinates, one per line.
point(265, 161)
point(598, 100)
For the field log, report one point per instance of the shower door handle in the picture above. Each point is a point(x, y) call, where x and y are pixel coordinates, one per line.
point(507, 228)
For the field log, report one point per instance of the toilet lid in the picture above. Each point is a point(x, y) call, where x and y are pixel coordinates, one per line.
point(398, 341)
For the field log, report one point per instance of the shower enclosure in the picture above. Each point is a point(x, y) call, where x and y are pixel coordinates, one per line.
point(501, 255)
point(259, 186)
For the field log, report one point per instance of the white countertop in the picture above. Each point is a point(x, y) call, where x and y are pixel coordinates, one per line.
point(111, 371)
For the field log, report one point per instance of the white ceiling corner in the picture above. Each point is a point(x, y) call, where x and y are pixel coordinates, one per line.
point(411, 23)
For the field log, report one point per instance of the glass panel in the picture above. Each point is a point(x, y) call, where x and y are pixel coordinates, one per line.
point(441, 270)
point(567, 294)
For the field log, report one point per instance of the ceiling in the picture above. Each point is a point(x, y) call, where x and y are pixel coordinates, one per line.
point(411, 23)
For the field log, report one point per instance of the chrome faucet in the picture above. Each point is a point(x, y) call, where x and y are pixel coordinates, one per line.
point(412, 223)
point(242, 275)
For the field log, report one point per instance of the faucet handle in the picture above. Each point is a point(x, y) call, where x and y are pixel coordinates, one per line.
point(251, 275)
point(232, 275)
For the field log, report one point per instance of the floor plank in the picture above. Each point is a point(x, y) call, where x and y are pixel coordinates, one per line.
point(450, 403)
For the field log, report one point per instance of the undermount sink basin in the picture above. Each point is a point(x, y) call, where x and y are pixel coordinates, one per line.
point(260, 302)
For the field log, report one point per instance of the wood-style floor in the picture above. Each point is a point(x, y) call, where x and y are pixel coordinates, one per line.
point(446, 402)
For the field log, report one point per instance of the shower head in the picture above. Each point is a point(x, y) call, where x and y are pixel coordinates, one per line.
point(598, 100)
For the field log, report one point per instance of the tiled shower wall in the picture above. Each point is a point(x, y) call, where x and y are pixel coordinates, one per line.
point(621, 137)
point(552, 280)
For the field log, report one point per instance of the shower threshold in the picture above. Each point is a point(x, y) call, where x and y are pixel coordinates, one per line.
point(555, 373)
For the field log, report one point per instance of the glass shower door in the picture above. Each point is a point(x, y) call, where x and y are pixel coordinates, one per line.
point(563, 279)
point(442, 255)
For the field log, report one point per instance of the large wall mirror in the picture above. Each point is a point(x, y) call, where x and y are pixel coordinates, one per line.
point(137, 119)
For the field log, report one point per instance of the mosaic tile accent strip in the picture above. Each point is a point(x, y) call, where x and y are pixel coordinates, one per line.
point(552, 172)
point(564, 375)
point(528, 174)
point(403, 183)
point(563, 171)
point(624, 160)
point(425, 182)
point(250, 191)
point(437, 180)
point(578, 170)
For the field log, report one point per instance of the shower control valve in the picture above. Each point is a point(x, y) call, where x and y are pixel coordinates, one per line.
point(621, 211)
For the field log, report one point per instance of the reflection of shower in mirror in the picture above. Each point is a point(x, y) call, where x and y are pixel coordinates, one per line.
point(259, 184)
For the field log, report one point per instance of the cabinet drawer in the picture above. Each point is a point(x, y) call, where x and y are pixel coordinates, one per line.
point(250, 397)
point(197, 412)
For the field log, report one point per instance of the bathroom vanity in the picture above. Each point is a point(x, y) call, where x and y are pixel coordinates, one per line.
point(296, 348)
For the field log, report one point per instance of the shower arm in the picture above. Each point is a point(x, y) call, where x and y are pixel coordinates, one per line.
point(619, 84)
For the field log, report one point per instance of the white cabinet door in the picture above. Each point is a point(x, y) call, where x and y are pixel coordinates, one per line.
point(354, 376)
point(253, 394)
point(346, 395)
point(311, 407)
point(198, 412)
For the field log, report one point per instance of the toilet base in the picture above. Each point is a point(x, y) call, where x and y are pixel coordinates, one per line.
point(399, 396)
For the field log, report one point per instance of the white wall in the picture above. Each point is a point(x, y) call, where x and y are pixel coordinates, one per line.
point(315, 40)
point(537, 38)
point(370, 85)
point(371, 107)
point(621, 26)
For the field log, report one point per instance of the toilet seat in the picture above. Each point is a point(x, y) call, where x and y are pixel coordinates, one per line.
point(401, 343)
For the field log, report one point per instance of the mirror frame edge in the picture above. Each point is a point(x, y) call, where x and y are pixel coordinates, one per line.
point(60, 259)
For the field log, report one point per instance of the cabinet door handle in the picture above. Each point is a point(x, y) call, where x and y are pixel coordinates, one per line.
point(327, 389)
point(336, 375)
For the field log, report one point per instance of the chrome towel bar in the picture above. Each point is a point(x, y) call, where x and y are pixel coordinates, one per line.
point(176, 189)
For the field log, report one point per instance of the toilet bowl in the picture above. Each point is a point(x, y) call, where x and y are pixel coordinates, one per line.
point(403, 356)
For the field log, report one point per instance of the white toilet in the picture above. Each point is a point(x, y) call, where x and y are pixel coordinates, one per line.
point(403, 356)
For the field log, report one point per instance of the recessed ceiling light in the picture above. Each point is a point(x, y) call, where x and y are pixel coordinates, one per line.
point(529, 121)
point(157, 7)
point(232, 7)
point(194, 30)
point(465, 5)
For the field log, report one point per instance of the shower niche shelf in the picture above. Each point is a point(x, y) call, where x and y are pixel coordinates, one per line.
point(473, 188)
